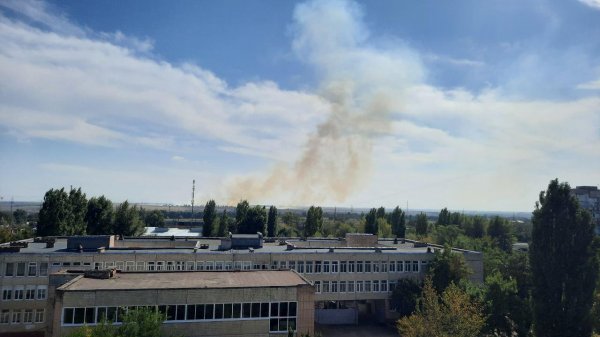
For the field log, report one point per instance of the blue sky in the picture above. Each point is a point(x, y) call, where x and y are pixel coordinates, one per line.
point(464, 104)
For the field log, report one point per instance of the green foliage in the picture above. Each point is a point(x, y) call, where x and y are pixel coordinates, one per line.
point(380, 213)
point(154, 218)
point(272, 222)
point(13, 233)
point(314, 221)
point(223, 225)
point(99, 216)
point(127, 220)
point(384, 229)
point(136, 323)
point(564, 265)
point(446, 268)
point(209, 216)
point(20, 217)
point(421, 224)
point(62, 213)
point(443, 218)
point(241, 211)
point(404, 297)
point(475, 228)
point(447, 235)
point(371, 221)
point(255, 221)
point(453, 314)
point(507, 313)
point(500, 231)
point(398, 222)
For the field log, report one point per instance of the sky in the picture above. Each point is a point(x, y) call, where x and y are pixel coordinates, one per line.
point(470, 105)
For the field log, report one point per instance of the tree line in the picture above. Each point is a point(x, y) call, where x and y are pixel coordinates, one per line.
point(71, 213)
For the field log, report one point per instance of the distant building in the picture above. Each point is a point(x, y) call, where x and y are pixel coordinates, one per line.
point(353, 277)
point(589, 198)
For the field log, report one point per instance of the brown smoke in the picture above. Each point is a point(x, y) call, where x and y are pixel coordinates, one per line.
point(336, 160)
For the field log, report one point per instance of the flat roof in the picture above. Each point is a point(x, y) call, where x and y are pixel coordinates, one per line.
point(189, 280)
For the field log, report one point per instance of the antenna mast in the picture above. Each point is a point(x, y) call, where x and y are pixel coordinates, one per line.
point(193, 191)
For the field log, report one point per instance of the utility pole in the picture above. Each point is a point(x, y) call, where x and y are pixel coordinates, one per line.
point(193, 191)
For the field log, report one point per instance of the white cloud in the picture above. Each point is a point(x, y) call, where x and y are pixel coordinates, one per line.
point(592, 3)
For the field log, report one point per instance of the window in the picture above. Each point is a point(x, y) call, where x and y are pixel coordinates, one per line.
point(21, 269)
point(375, 286)
point(326, 266)
point(68, 315)
point(179, 265)
point(325, 286)
point(300, 267)
point(150, 265)
point(219, 265)
point(359, 286)
point(227, 310)
point(120, 265)
point(9, 269)
point(376, 266)
point(392, 286)
point(399, 266)
point(384, 286)
point(108, 265)
point(351, 266)
point(415, 268)
point(30, 293)
point(359, 266)
point(317, 267)
point(317, 286)
point(28, 316)
point(43, 268)
point(160, 265)
point(342, 286)
point(39, 316)
point(209, 311)
point(5, 316)
point(343, 267)
point(189, 265)
point(367, 266)
point(200, 265)
point(219, 311)
point(16, 317)
point(41, 292)
point(384, 267)
point(334, 286)
point(309, 267)
point(367, 286)
point(392, 267)
point(283, 316)
point(130, 265)
point(98, 265)
point(350, 286)
point(180, 316)
point(334, 266)
point(209, 265)
point(292, 265)
point(170, 265)
point(32, 269)
point(6, 293)
point(139, 266)
point(18, 294)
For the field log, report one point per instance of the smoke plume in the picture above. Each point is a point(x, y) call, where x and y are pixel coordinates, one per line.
point(363, 86)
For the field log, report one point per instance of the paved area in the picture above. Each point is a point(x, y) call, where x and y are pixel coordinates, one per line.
point(356, 331)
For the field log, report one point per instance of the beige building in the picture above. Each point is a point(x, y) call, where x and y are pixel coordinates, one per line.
point(353, 276)
point(208, 303)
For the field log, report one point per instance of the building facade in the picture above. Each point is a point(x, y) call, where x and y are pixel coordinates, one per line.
point(589, 198)
point(353, 277)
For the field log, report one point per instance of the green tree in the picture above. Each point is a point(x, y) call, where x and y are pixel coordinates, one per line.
point(371, 221)
point(20, 216)
point(240, 215)
point(272, 222)
point(443, 218)
point(504, 307)
point(384, 229)
point(454, 314)
point(476, 227)
point(78, 208)
point(563, 263)
point(421, 224)
point(209, 216)
point(314, 221)
point(398, 222)
point(447, 267)
point(405, 296)
point(154, 218)
point(99, 216)
point(447, 235)
point(55, 214)
point(127, 220)
point(255, 221)
point(224, 221)
point(500, 231)
point(381, 213)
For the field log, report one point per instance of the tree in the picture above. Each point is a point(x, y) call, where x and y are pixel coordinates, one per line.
point(405, 295)
point(398, 222)
point(55, 214)
point(20, 216)
point(421, 224)
point(272, 222)
point(78, 208)
point(447, 267)
point(240, 215)
point(99, 216)
point(384, 229)
point(127, 220)
point(503, 305)
point(443, 218)
point(455, 314)
point(223, 225)
point(154, 218)
point(500, 231)
point(447, 235)
point(381, 213)
point(255, 221)
point(209, 215)
point(563, 264)
point(314, 221)
point(476, 227)
point(371, 221)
